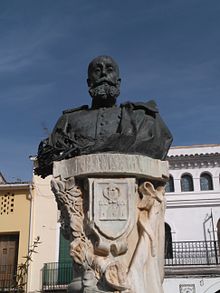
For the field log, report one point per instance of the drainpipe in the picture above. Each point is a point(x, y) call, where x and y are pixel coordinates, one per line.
point(205, 221)
point(206, 246)
point(213, 231)
point(31, 187)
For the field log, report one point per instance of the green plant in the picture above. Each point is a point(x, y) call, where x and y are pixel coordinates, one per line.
point(22, 270)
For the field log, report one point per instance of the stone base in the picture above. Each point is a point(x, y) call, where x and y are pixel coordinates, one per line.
point(112, 210)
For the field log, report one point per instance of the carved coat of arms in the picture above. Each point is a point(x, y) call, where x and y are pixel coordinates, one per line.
point(112, 206)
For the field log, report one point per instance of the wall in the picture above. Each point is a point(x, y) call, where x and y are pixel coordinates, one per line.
point(45, 225)
point(191, 285)
point(17, 220)
point(193, 215)
point(190, 214)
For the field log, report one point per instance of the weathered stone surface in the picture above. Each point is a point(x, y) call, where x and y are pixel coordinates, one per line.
point(115, 164)
point(114, 219)
point(112, 212)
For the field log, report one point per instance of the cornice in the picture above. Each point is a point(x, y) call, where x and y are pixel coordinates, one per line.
point(14, 186)
point(194, 161)
point(192, 271)
point(194, 202)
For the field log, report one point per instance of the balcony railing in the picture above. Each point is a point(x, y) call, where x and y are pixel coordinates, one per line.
point(192, 253)
point(56, 276)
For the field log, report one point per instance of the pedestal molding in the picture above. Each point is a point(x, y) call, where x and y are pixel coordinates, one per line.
point(124, 165)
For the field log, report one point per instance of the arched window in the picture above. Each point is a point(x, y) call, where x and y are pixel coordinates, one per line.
point(187, 183)
point(206, 182)
point(170, 185)
point(168, 249)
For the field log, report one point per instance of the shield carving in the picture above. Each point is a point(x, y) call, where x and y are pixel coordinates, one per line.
point(113, 203)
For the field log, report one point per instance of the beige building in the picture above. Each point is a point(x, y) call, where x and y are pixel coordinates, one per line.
point(45, 224)
point(27, 211)
point(15, 211)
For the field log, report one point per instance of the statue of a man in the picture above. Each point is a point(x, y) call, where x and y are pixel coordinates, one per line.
point(132, 128)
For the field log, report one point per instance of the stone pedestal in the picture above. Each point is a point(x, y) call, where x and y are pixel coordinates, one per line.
point(112, 212)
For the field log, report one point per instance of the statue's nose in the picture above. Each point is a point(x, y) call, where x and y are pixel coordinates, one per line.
point(104, 72)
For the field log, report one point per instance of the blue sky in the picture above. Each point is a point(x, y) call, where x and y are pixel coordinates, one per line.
point(167, 50)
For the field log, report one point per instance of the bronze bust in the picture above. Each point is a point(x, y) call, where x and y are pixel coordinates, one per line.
point(132, 128)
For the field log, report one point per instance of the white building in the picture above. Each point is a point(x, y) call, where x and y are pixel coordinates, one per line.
point(192, 227)
point(45, 225)
point(193, 220)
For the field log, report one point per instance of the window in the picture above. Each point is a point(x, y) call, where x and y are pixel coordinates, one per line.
point(170, 185)
point(8, 259)
point(187, 183)
point(64, 251)
point(168, 249)
point(7, 203)
point(206, 182)
point(65, 261)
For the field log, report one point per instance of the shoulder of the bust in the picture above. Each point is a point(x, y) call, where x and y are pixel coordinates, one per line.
point(150, 105)
point(84, 107)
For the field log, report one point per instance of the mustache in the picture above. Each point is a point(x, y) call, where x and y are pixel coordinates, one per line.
point(104, 80)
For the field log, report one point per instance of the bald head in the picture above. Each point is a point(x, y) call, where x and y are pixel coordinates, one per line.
point(103, 80)
point(103, 65)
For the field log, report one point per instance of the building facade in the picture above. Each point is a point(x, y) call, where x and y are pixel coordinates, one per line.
point(15, 225)
point(193, 220)
point(192, 256)
point(45, 224)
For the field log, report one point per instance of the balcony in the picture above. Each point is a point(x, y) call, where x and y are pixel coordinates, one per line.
point(193, 258)
point(183, 258)
point(56, 276)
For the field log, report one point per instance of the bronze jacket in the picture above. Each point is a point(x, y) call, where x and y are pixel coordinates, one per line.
point(132, 128)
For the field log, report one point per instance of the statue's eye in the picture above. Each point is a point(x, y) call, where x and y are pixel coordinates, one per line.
point(110, 69)
point(97, 70)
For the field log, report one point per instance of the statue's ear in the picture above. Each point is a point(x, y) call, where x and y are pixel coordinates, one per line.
point(119, 81)
point(88, 82)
